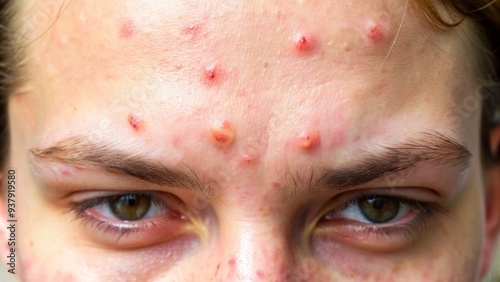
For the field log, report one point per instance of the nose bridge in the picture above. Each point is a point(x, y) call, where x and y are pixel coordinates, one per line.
point(259, 251)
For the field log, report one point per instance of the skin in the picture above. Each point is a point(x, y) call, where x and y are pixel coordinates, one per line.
point(250, 96)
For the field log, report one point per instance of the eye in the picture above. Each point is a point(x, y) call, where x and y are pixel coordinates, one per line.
point(130, 207)
point(376, 210)
point(133, 219)
point(377, 221)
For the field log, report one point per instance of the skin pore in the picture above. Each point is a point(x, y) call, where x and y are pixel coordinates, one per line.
point(256, 127)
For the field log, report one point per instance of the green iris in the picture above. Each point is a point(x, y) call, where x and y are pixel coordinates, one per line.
point(379, 209)
point(130, 207)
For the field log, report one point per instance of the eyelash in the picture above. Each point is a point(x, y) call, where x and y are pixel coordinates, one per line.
point(123, 229)
point(171, 221)
point(423, 212)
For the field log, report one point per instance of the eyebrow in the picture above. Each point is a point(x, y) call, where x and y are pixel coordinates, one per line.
point(78, 150)
point(387, 160)
point(428, 147)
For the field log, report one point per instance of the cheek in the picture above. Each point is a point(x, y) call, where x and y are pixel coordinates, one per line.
point(35, 268)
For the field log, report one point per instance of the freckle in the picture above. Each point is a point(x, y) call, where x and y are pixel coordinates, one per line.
point(127, 29)
point(304, 43)
point(309, 140)
point(135, 122)
point(374, 31)
point(223, 134)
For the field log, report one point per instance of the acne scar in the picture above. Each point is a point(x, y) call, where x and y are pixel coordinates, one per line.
point(304, 43)
point(374, 31)
point(127, 29)
point(309, 140)
point(135, 122)
point(223, 134)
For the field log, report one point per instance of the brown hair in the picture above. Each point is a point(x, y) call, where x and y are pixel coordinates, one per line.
point(485, 14)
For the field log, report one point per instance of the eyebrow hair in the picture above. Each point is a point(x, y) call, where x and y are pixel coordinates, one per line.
point(432, 147)
point(429, 147)
point(78, 150)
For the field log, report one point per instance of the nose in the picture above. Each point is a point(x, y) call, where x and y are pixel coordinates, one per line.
point(262, 251)
point(261, 254)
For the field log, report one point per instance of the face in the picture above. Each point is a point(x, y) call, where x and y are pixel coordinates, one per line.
point(254, 140)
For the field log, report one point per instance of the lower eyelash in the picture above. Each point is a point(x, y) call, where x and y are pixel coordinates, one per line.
point(409, 229)
point(119, 229)
point(103, 226)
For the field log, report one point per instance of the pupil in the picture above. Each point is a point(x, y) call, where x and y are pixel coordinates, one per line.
point(130, 207)
point(378, 203)
point(131, 201)
point(379, 209)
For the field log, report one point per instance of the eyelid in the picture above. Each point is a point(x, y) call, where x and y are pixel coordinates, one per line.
point(146, 231)
point(406, 193)
point(373, 236)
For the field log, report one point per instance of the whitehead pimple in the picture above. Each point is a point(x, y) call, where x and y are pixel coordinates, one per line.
point(211, 74)
point(211, 71)
point(309, 140)
point(223, 134)
point(304, 43)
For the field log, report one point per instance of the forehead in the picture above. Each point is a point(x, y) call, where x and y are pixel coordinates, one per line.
point(352, 70)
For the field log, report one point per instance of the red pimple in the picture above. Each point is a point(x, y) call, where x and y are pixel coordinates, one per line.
point(309, 139)
point(304, 43)
point(374, 31)
point(65, 172)
point(246, 159)
point(192, 29)
point(127, 29)
point(223, 134)
point(276, 185)
point(135, 122)
point(211, 71)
